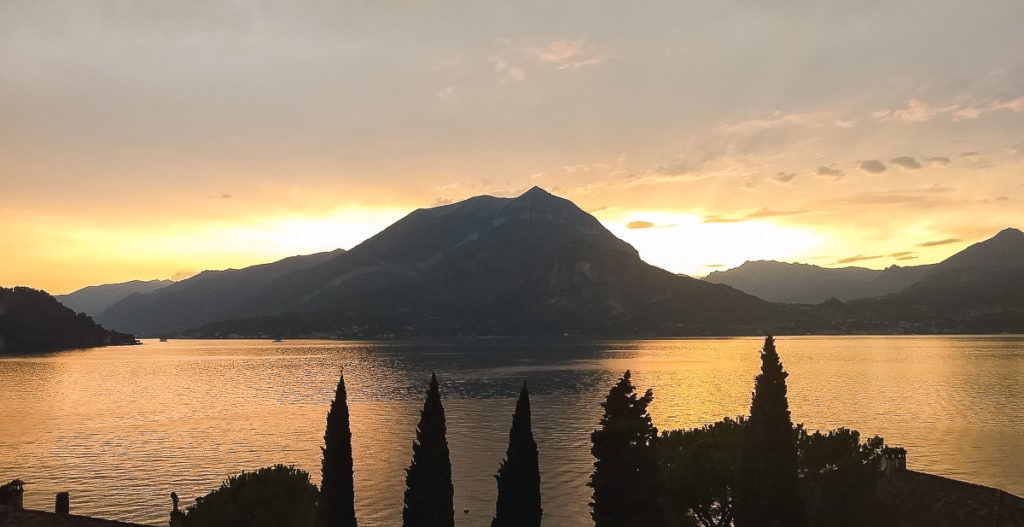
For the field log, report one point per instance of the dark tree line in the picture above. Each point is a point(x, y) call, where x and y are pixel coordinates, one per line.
point(759, 471)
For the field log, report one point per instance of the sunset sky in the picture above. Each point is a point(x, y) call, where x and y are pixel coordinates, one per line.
point(157, 138)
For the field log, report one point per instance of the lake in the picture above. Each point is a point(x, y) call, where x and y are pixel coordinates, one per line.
point(120, 428)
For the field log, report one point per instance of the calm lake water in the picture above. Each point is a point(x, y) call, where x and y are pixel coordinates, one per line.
point(120, 428)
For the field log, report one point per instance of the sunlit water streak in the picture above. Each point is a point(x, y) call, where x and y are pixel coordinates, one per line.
point(120, 428)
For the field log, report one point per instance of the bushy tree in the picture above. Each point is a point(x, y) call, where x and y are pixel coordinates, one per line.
point(767, 489)
point(336, 507)
point(625, 478)
point(519, 474)
point(839, 474)
point(429, 494)
point(277, 496)
point(699, 468)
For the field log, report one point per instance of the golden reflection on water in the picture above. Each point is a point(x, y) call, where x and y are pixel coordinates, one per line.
point(120, 428)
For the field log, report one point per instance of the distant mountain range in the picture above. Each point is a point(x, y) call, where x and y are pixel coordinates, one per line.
point(810, 284)
point(538, 265)
point(32, 321)
point(534, 264)
point(93, 299)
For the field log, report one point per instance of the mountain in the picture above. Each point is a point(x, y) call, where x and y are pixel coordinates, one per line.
point(810, 284)
point(210, 295)
point(977, 290)
point(33, 321)
point(534, 264)
point(93, 299)
point(1004, 250)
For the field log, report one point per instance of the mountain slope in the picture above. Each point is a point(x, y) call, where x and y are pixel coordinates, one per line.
point(93, 299)
point(210, 295)
point(810, 284)
point(534, 264)
point(33, 321)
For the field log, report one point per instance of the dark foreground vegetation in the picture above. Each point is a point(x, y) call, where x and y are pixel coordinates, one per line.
point(32, 321)
point(759, 470)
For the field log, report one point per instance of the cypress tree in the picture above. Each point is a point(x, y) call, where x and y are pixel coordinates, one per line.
point(336, 506)
point(625, 479)
point(519, 474)
point(767, 491)
point(429, 494)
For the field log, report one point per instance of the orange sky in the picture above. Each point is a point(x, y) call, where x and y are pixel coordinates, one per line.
point(156, 139)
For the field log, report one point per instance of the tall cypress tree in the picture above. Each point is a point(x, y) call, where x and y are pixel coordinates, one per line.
point(767, 492)
point(625, 479)
point(429, 494)
point(336, 506)
point(519, 474)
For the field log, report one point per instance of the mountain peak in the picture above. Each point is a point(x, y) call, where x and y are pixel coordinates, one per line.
point(1005, 249)
point(1008, 233)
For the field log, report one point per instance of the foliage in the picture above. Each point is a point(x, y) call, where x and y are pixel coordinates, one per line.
point(336, 507)
point(699, 468)
point(767, 492)
point(625, 478)
point(277, 496)
point(839, 474)
point(33, 321)
point(429, 494)
point(519, 474)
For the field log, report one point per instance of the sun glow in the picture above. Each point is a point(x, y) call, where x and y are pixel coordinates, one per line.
point(684, 243)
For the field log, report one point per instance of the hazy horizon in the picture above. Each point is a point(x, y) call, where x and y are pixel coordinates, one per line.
point(155, 140)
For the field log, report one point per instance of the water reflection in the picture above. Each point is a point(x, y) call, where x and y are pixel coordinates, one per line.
point(120, 428)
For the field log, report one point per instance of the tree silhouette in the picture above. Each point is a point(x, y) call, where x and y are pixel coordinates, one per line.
point(429, 494)
point(698, 468)
point(336, 507)
point(767, 490)
point(625, 478)
point(519, 474)
point(277, 496)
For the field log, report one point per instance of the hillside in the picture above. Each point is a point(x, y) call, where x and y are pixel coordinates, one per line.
point(93, 299)
point(33, 321)
point(210, 295)
point(534, 264)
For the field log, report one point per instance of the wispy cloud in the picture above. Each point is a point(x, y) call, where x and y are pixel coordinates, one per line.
point(945, 241)
point(858, 258)
point(919, 111)
point(640, 224)
point(939, 162)
point(905, 162)
point(568, 54)
point(873, 166)
point(783, 177)
point(756, 215)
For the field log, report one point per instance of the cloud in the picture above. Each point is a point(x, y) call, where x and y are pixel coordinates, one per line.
point(858, 258)
point(832, 172)
point(902, 254)
point(776, 120)
point(441, 202)
point(783, 177)
point(225, 196)
point(181, 275)
point(918, 111)
point(905, 162)
point(640, 224)
point(945, 241)
point(756, 215)
point(939, 162)
point(973, 156)
point(873, 166)
point(907, 196)
point(508, 72)
point(567, 54)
